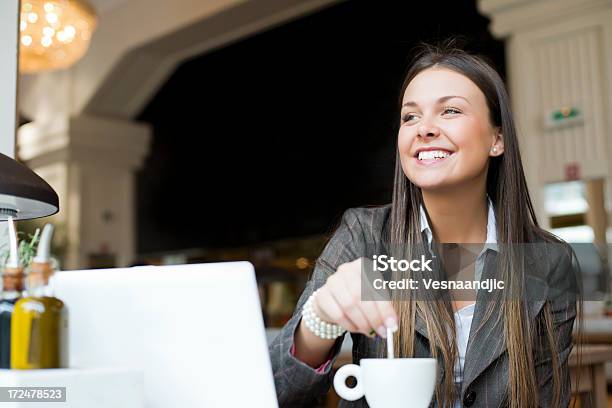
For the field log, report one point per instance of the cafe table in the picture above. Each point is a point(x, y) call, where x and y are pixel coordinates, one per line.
point(592, 390)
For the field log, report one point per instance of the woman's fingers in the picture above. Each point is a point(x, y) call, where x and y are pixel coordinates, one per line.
point(388, 315)
point(339, 301)
point(329, 310)
point(374, 318)
point(349, 302)
point(368, 308)
point(353, 310)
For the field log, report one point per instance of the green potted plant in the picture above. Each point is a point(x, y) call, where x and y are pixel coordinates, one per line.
point(27, 248)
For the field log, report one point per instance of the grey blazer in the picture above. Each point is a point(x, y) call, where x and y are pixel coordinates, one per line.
point(485, 378)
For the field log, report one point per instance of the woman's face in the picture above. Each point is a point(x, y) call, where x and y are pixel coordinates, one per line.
point(445, 137)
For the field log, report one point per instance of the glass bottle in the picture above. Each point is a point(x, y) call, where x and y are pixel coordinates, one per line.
point(39, 322)
point(12, 290)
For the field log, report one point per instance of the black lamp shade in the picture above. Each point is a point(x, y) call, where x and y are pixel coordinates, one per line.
point(23, 194)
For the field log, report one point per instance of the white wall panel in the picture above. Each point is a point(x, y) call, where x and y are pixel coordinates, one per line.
point(569, 73)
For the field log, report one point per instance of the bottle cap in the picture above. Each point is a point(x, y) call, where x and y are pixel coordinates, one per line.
point(13, 260)
point(43, 254)
point(12, 279)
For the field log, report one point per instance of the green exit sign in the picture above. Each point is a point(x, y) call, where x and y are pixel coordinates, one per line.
point(564, 116)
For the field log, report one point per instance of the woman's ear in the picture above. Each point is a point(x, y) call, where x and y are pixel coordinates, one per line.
point(498, 146)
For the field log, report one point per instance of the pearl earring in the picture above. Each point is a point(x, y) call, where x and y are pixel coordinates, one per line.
point(494, 150)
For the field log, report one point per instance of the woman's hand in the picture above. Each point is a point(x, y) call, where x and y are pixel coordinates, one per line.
point(339, 301)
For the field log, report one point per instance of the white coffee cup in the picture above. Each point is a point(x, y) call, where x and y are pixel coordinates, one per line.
point(389, 383)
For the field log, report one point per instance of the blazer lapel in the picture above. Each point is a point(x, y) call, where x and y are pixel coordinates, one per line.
point(487, 344)
point(420, 326)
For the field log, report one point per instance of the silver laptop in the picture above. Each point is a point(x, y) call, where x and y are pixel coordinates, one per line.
point(195, 330)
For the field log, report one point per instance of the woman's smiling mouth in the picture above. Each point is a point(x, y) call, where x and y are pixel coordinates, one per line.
point(431, 156)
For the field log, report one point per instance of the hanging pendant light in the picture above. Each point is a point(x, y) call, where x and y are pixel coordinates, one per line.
point(23, 194)
point(54, 34)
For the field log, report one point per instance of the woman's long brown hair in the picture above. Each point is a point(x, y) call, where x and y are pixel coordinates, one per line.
point(516, 224)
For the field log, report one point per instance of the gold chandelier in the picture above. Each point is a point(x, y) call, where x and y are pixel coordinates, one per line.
point(54, 34)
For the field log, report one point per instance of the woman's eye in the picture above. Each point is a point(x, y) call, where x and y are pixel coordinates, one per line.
point(408, 117)
point(451, 110)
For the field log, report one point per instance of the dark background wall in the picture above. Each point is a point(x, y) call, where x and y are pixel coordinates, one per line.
point(275, 136)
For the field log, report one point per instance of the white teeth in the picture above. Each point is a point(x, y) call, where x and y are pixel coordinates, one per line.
point(433, 154)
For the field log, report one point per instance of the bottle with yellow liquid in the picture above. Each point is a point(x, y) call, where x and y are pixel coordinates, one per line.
point(39, 319)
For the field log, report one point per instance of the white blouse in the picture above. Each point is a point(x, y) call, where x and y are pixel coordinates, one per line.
point(463, 323)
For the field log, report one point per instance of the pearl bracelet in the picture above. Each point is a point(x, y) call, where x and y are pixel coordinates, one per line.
point(314, 323)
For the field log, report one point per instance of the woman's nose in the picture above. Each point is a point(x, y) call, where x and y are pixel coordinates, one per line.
point(427, 130)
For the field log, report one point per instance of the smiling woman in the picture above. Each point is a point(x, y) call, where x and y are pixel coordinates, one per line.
point(444, 138)
point(458, 180)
